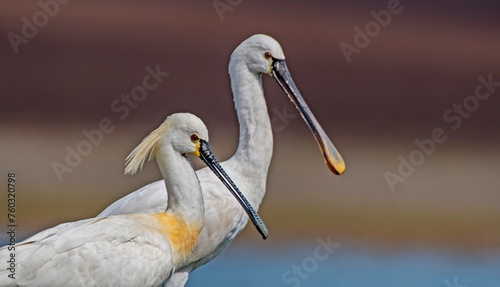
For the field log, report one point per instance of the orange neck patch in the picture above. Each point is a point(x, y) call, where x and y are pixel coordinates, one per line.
point(183, 235)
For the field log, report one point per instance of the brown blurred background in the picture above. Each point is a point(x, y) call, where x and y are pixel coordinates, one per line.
point(396, 90)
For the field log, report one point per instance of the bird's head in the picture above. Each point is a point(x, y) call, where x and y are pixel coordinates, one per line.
point(186, 133)
point(258, 53)
point(183, 131)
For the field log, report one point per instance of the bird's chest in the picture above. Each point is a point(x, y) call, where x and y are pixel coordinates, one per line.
point(181, 234)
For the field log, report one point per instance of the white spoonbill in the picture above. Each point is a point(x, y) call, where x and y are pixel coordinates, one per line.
point(224, 219)
point(132, 249)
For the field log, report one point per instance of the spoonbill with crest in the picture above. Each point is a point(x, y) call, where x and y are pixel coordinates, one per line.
point(130, 249)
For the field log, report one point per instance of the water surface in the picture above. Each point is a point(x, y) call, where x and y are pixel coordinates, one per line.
point(347, 266)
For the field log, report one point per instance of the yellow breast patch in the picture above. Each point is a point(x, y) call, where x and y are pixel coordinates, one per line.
point(183, 236)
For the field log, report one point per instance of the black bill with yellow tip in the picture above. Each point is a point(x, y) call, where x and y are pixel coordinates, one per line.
point(206, 154)
point(332, 157)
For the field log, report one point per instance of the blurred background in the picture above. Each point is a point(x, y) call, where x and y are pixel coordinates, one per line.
point(439, 225)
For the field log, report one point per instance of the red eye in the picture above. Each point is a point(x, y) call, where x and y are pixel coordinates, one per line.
point(194, 137)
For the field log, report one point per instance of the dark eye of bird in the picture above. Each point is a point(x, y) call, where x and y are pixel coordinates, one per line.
point(267, 55)
point(194, 137)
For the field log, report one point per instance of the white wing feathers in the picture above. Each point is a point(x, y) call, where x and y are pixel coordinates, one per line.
point(93, 252)
point(150, 199)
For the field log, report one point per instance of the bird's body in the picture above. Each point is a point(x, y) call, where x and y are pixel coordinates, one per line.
point(111, 251)
point(224, 219)
point(126, 249)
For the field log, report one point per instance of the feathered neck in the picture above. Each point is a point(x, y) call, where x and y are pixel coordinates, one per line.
point(253, 156)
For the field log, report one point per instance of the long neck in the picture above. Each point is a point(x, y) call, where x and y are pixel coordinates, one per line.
point(253, 156)
point(185, 199)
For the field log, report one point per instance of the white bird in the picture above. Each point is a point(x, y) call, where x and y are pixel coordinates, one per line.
point(132, 249)
point(224, 219)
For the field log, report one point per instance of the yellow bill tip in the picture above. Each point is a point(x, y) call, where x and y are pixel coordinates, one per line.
point(333, 159)
point(336, 167)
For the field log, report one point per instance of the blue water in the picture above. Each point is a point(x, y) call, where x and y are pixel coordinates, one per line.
point(243, 265)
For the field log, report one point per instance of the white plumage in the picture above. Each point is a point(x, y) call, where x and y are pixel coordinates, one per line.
point(127, 249)
point(224, 219)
